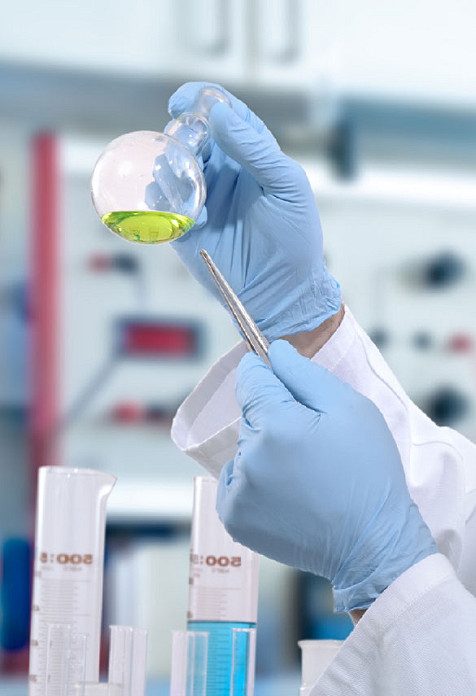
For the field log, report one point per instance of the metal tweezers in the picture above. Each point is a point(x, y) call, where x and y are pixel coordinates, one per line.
point(253, 336)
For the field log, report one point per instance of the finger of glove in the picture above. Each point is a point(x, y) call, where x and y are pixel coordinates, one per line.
point(202, 219)
point(183, 100)
point(226, 496)
point(309, 383)
point(226, 474)
point(259, 392)
point(237, 503)
point(258, 153)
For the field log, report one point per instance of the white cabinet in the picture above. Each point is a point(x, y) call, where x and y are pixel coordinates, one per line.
point(424, 50)
point(230, 41)
point(285, 53)
point(167, 38)
point(258, 42)
point(267, 43)
point(111, 35)
point(212, 40)
point(421, 50)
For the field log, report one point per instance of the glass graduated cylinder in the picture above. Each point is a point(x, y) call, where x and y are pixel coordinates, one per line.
point(68, 567)
point(223, 593)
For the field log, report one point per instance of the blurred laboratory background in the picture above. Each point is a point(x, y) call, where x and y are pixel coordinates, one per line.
point(100, 339)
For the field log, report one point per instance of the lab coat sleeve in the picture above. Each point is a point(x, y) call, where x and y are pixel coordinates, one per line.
point(417, 639)
point(439, 464)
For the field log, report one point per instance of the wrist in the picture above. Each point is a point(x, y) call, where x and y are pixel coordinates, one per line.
point(356, 615)
point(309, 342)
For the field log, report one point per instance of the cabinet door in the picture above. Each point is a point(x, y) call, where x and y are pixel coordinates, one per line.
point(187, 39)
point(211, 40)
point(283, 46)
point(112, 35)
point(421, 50)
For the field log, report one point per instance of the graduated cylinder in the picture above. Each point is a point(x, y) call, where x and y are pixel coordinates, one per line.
point(68, 577)
point(223, 589)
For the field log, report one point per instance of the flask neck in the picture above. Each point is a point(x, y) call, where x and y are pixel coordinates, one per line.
point(191, 130)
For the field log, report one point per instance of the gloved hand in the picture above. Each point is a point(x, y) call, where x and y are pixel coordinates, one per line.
point(261, 224)
point(317, 482)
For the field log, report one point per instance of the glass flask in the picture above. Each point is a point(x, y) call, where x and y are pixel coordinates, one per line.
point(149, 187)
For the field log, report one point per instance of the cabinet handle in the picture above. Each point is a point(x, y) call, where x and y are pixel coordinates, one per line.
point(280, 30)
point(207, 25)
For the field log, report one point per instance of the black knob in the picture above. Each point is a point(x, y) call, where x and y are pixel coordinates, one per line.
point(443, 270)
point(422, 340)
point(380, 337)
point(447, 405)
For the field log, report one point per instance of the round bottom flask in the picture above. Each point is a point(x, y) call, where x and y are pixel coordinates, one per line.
point(148, 187)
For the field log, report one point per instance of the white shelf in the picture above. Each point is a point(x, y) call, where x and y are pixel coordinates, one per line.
point(149, 501)
point(376, 184)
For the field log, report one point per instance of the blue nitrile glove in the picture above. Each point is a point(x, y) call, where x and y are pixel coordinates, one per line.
point(261, 224)
point(317, 482)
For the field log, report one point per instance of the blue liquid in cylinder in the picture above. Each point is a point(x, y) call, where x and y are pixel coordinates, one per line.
point(220, 657)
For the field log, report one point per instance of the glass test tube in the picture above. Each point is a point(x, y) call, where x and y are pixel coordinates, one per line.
point(139, 662)
point(242, 680)
point(78, 659)
point(189, 663)
point(58, 653)
point(96, 689)
point(120, 657)
point(65, 661)
point(223, 590)
point(127, 660)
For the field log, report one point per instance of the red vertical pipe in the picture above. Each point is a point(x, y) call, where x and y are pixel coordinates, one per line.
point(44, 298)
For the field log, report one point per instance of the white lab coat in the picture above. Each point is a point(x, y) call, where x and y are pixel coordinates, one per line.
point(419, 636)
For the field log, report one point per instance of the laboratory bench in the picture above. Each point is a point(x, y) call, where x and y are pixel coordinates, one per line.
point(285, 685)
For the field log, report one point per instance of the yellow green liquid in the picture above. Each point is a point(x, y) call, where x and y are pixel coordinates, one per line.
point(147, 226)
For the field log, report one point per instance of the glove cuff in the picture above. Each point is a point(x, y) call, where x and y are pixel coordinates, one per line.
point(306, 310)
point(410, 543)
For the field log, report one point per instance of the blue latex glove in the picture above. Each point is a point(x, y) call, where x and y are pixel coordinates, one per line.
point(317, 482)
point(261, 224)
